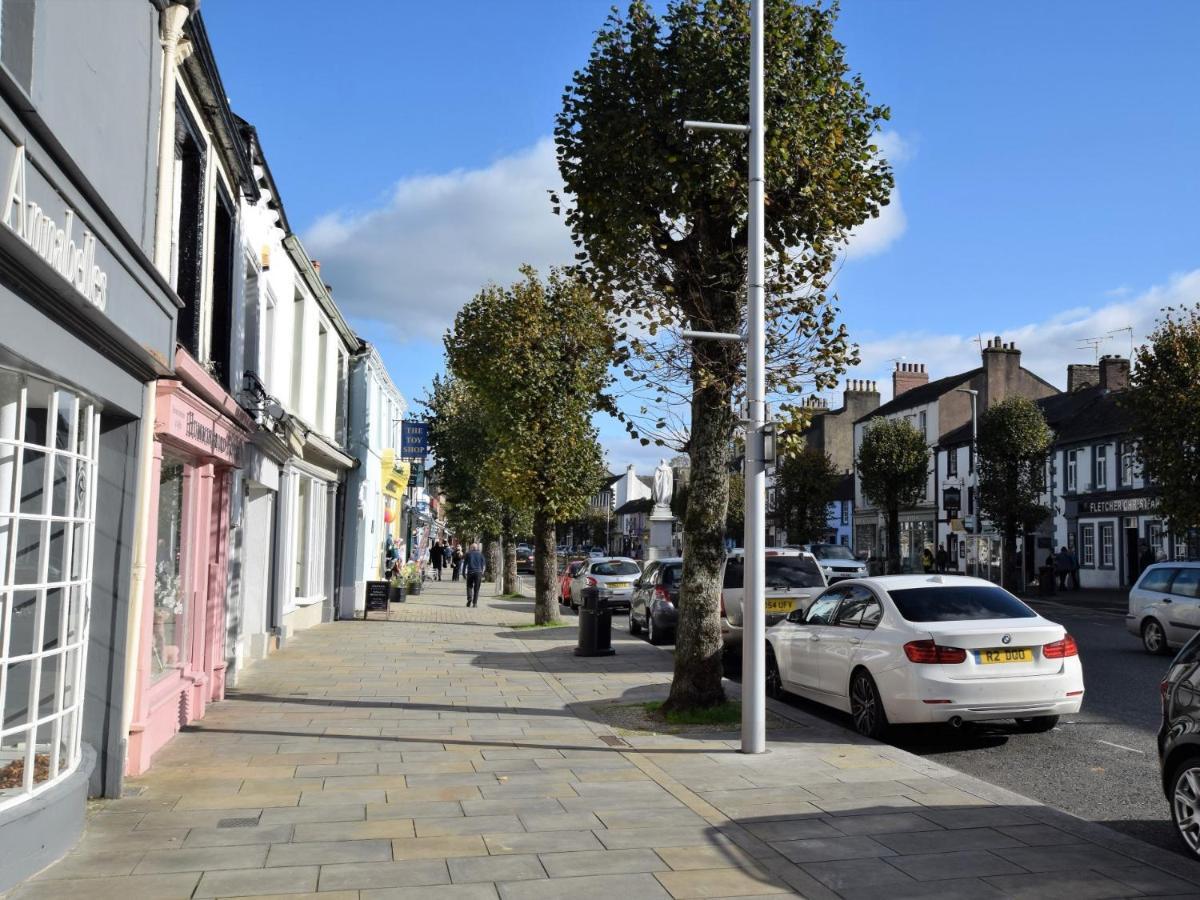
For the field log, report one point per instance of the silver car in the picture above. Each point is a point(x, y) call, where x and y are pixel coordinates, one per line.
point(793, 580)
point(1164, 605)
point(616, 573)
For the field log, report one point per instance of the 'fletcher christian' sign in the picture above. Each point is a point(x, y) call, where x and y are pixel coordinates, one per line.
point(1117, 505)
point(74, 260)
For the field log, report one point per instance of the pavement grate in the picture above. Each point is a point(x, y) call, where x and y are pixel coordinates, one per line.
point(239, 822)
point(614, 741)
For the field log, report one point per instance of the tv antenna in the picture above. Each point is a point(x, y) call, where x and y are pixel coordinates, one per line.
point(1093, 344)
point(1128, 329)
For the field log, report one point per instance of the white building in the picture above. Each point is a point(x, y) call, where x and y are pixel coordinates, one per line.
point(375, 525)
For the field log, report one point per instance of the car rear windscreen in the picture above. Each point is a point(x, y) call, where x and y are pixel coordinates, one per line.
point(958, 603)
point(616, 567)
point(672, 575)
point(786, 572)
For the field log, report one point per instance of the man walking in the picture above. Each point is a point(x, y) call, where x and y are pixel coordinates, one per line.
point(456, 558)
point(436, 558)
point(474, 565)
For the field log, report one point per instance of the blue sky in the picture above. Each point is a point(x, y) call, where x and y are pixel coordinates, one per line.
point(1045, 159)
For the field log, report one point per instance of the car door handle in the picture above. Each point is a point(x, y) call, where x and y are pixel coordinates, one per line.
point(856, 640)
point(814, 637)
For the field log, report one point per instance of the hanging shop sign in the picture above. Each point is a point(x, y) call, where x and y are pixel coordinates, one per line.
point(414, 439)
point(952, 499)
point(72, 256)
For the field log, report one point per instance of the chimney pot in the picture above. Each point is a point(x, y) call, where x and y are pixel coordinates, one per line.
point(910, 376)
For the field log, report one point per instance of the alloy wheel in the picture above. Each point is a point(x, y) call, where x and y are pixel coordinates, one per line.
point(1154, 639)
point(774, 676)
point(866, 707)
point(1185, 804)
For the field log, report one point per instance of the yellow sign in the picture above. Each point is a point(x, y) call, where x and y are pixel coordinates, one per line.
point(395, 475)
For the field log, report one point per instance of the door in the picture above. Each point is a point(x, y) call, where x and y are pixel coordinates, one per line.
point(841, 642)
point(801, 644)
point(1132, 564)
point(643, 593)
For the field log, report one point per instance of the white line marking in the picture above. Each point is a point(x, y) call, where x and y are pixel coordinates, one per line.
point(1122, 747)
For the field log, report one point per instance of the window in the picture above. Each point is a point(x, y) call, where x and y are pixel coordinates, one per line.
point(1072, 471)
point(789, 572)
point(845, 505)
point(16, 40)
point(187, 232)
point(958, 603)
point(322, 375)
point(822, 609)
point(169, 647)
point(615, 567)
point(970, 501)
point(48, 444)
point(303, 522)
point(1087, 537)
point(297, 352)
point(923, 424)
point(857, 602)
point(223, 255)
point(1186, 583)
point(1127, 463)
point(1101, 467)
point(1107, 545)
point(266, 370)
point(339, 406)
point(1157, 579)
point(952, 462)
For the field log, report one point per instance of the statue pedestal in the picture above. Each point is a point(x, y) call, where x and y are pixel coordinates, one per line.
point(662, 525)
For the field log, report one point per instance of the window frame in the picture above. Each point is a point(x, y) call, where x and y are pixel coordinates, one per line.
point(1087, 546)
point(1100, 468)
point(1108, 551)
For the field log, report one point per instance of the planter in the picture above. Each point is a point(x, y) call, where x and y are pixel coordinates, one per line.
point(396, 593)
point(414, 587)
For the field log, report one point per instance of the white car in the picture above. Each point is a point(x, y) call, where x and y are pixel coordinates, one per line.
point(837, 562)
point(793, 579)
point(1164, 605)
point(909, 649)
point(616, 573)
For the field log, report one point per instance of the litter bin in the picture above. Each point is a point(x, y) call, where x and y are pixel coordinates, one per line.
point(595, 623)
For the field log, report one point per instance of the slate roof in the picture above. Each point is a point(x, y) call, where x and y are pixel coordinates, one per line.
point(1078, 416)
point(922, 394)
point(845, 488)
point(629, 507)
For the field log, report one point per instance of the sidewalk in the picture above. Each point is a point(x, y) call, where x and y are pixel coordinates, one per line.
point(441, 755)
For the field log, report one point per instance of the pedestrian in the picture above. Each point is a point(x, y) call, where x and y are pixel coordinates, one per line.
point(927, 560)
point(436, 556)
point(943, 559)
point(1074, 560)
point(456, 559)
point(474, 563)
point(1062, 567)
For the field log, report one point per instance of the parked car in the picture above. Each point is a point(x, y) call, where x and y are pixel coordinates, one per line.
point(793, 579)
point(595, 553)
point(912, 649)
point(837, 562)
point(570, 570)
point(616, 573)
point(525, 558)
point(1164, 605)
point(655, 602)
point(1179, 743)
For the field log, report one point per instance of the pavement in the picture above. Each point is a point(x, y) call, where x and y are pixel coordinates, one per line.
point(443, 754)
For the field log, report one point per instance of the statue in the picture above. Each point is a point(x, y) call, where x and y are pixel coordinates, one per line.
point(664, 482)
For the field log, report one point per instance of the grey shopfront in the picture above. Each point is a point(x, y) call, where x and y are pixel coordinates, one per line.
point(86, 326)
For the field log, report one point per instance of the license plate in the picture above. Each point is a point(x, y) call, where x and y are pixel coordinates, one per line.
point(617, 585)
point(1005, 655)
point(780, 604)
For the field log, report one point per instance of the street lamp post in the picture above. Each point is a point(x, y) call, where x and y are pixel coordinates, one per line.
point(971, 468)
point(754, 695)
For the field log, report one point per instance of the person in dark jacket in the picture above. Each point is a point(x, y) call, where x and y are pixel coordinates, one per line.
point(437, 556)
point(943, 559)
point(475, 565)
point(456, 559)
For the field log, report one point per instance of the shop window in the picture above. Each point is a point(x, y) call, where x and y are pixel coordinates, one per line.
point(187, 245)
point(48, 440)
point(303, 517)
point(1108, 557)
point(170, 595)
point(1087, 538)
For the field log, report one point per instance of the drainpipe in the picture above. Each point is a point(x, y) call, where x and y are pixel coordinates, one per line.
point(175, 49)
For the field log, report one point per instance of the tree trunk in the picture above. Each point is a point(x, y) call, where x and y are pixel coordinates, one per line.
point(545, 608)
point(1010, 572)
point(508, 546)
point(491, 548)
point(495, 559)
point(893, 540)
point(697, 680)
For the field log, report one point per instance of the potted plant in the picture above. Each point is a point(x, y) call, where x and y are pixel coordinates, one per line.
point(396, 589)
point(412, 577)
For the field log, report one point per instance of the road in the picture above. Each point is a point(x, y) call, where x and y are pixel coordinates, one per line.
point(1100, 764)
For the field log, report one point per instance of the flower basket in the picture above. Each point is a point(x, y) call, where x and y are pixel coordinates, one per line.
point(396, 591)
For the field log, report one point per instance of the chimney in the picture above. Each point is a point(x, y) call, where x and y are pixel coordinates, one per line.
point(1001, 371)
point(860, 397)
point(317, 266)
point(907, 376)
point(1082, 375)
point(1114, 373)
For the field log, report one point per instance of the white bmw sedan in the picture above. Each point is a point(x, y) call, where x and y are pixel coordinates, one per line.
point(904, 649)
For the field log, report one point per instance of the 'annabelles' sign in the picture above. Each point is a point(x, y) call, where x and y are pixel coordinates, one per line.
point(74, 260)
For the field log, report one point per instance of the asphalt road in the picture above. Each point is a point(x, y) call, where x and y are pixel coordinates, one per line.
point(1100, 764)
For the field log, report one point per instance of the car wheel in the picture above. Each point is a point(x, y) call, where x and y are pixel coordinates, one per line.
point(866, 706)
point(653, 635)
point(774, 676)
point(1037, 724)
point(1154, 639)
point(634, 628)
point(1185, 802)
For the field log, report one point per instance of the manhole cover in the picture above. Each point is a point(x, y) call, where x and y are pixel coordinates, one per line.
point(613, 741)
point(243, 822)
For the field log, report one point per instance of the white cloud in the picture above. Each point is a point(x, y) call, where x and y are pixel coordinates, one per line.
point(416, 260)
point(1046, 347)
point(876, 235)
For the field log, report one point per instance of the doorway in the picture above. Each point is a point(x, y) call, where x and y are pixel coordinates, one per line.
point(1131, 552)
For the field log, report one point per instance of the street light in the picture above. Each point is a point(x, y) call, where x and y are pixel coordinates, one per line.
point(754, 692)
point(971, 470)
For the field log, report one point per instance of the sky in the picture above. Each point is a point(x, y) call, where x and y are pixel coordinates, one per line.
point(1045, 160)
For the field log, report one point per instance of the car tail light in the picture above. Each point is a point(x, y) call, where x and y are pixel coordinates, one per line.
point(592, 582)
point(662, 594)
point(931, 652)
point(1061, 649)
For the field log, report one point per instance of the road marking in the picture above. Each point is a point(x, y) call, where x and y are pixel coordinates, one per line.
point(1122, 747)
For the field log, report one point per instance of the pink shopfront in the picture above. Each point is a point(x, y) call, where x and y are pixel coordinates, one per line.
point(199, 435)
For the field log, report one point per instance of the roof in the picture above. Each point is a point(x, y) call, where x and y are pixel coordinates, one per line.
point(1076, 416)
point(641, 505)
point(845, 488)
point(922, 394)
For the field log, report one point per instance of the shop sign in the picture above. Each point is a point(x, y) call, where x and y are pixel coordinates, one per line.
point(75, 261)
point(952, 498)
point(1117, 505)
point(221, 443)
point(414, 439)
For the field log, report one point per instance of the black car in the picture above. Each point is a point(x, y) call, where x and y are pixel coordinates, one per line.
point(655, 602)
point(1179, 743)
point(525, 558)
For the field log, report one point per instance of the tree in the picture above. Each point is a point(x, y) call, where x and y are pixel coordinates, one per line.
point(1165, 407)
point(1013, 442)
point(735, 511)
point(893, 471)
point(458, 438)
point(805, 483)
point(660, 217)
point(536, 355)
